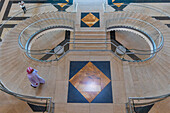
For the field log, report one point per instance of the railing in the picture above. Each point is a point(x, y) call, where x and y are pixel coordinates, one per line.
point(153, 37)
point(37, 26)
point(23, 40)
point(156, 41)
point(134, 102)
point(28, 34)
point(72, 9)
point(41, 101)
point(138, 8)
point(38, 53)
point(126, 17)
point(94, 46)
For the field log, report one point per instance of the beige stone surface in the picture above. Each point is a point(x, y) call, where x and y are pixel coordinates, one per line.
point(150, 78)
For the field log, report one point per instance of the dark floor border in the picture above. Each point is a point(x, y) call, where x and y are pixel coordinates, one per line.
point(16, 18)
point(66, 48)
point(138, 1)
point(132, 1)
point(1, 4)
point(6, 26)
point(113, 40)
point(168, 25)
point(5, 17)
point(8, 8)
point(67, 39)
point(29, 1)
point(43, 1)
point(119, 8)
point(105, 96)
point(161, 17)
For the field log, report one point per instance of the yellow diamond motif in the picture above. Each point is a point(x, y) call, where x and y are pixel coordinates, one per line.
point(90, 81)
point(67, 1)
point(90, 19)
point(113, 0)
point(118, 4)
point(62, 4)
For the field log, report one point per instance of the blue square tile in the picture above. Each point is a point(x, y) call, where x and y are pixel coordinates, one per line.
point(95, 23)
point(105, 96)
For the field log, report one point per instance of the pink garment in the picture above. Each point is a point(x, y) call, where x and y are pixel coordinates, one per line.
point(35, 79)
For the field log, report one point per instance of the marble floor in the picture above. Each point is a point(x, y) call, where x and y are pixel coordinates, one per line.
point(81, 82)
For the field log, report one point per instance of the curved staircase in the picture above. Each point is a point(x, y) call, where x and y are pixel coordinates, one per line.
point(13, 61)
point(138, 79)
point(138, 23)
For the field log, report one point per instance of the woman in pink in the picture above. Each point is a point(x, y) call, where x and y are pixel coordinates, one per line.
point(34, 78)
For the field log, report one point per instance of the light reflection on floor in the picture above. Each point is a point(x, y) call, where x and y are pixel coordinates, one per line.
point(89, 81)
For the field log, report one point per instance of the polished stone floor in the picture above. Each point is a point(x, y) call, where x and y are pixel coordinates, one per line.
point(91, 82)
point(86, 82)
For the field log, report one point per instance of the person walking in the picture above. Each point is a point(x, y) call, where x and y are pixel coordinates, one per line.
point(34, 78)
point(21, 4)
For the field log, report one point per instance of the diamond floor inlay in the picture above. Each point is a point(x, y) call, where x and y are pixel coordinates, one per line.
point(90, 20)
point(89, 81)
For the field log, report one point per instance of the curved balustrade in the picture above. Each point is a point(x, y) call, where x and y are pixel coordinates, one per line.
point(42, 25)
point(29, 27)
point(41, 101)
point(48, 8)
point(154, 36)
point(133, 19)
point(36, 53)
point(144, 9)
point(59, 21)
point(139, 17)
point(134, 102)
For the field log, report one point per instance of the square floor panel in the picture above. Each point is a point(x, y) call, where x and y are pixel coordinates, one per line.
point(90, 19)
point(90, 82)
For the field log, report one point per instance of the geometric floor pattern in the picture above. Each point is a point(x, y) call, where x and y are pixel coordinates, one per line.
point(90, 82)
point(90, 19)
point(61, 7)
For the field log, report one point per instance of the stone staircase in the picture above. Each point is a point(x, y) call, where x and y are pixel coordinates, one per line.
point(89, 40)
point(140, 79)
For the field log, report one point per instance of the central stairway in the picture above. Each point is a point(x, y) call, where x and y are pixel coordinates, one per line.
point(129, 79)
point(90, 40)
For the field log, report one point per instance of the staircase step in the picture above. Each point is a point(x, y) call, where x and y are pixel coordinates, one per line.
point(90, 46)
point(91, 39)
point(87, 34)
point(90, 35)
point(90, 32)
